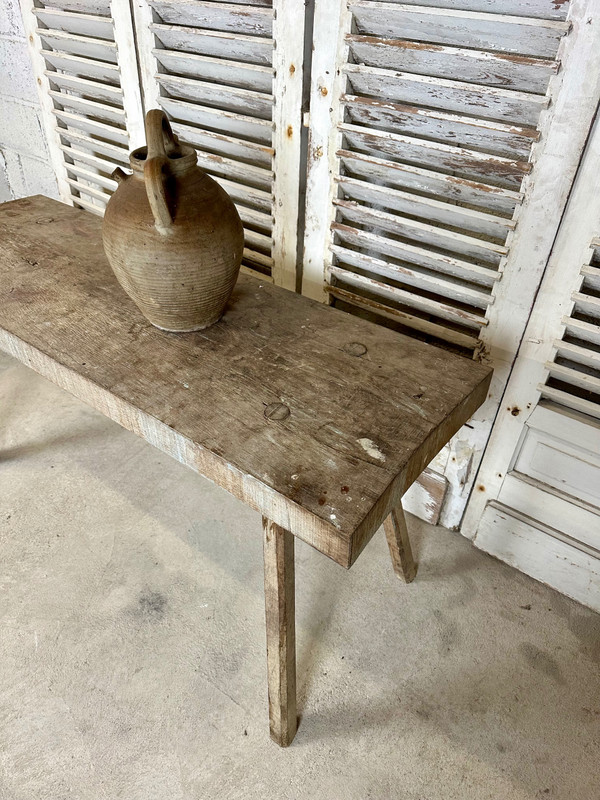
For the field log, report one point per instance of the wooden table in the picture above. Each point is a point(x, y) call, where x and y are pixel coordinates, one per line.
point(318, 420)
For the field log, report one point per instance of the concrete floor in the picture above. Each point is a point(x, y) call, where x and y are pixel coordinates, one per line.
point(132, 643)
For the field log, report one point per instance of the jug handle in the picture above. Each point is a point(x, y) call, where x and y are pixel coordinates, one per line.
point(161, 141)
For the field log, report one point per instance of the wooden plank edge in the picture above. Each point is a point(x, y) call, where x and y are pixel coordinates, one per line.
point(392, 496)
point(318, 533)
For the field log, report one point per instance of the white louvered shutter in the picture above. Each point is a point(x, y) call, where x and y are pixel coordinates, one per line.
point(574, 372)
point(215, 68)
point(438, 109)
point(444, 137)
point(84, 60)
point(538, 503)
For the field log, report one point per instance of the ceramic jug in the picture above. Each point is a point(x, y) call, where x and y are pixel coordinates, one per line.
point(171, 234)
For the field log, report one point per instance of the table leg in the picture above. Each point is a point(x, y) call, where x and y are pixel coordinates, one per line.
point(281, 631)
point(397, 538)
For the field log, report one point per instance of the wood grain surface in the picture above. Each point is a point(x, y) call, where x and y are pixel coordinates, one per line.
point(396, 534)
point(315, 418)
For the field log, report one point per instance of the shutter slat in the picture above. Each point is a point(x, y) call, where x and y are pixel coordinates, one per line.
point(81, 156)
point(570, 400)
point(231, 17)
point(589, 304)
point(93, 177)
point(419, 324)
point(80, 24)
point(434, 283)
point(91, 108)
point(91, 191)
point(574, 377)
point(228, 98)
point(86, 88)
point(217, 70)
point(450, 95)
point(92, 126)
point(582, 329)
point(89, 206)
point(424, 304)
point(101, 7)
point(257, 219)
point(254, 257)
point(258, 241)
point(85, 46)
point(475, 66)
point(83, 67)
point(465, 163)
point(430, 183)
point(235, 170)
point(479, 134)
point(219, 120)
point(575, 352)
point(246, 195)
point(118, 155)
point(591, 277)
point(411, 254)
point(472, 274)
point(425, 207)
point(248, 49)
point(258, 154)
point(512, 34)
point(421, 233)
point(525, 8)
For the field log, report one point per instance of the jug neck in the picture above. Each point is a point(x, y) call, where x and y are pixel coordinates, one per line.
point(179, 162)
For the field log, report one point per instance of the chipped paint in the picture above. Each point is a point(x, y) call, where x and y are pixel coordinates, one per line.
point(369, 446)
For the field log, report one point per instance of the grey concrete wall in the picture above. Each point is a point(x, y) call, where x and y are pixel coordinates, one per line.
point(24, 165)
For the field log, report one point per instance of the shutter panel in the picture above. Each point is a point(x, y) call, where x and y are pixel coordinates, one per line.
point(443, 141)
point(538, 501)
point(84, 60)
point(215, 69)
point(438, 108)
point(574, 372)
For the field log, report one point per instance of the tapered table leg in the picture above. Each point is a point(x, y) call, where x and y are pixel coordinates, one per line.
point(399, 544)
point(281, 631)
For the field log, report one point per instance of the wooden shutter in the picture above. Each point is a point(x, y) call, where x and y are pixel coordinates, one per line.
point(438, 109)
point(84, 61)
point(216, 69)
point(537, 504)
point(443, 141)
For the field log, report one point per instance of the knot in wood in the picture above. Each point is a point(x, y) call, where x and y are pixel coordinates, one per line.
point(277, 411)
point(355, 349)
point(44, 220)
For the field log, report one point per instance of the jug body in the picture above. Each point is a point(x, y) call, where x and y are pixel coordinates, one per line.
point(172, 235)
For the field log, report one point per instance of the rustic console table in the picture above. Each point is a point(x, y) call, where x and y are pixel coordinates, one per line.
point(318, 420)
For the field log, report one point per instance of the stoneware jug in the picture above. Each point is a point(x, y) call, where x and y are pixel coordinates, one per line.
point(171, 234)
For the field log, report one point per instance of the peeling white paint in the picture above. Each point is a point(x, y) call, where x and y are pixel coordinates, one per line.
point(369, 446)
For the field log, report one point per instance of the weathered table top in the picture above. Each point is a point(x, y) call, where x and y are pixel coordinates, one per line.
point(317, 419)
